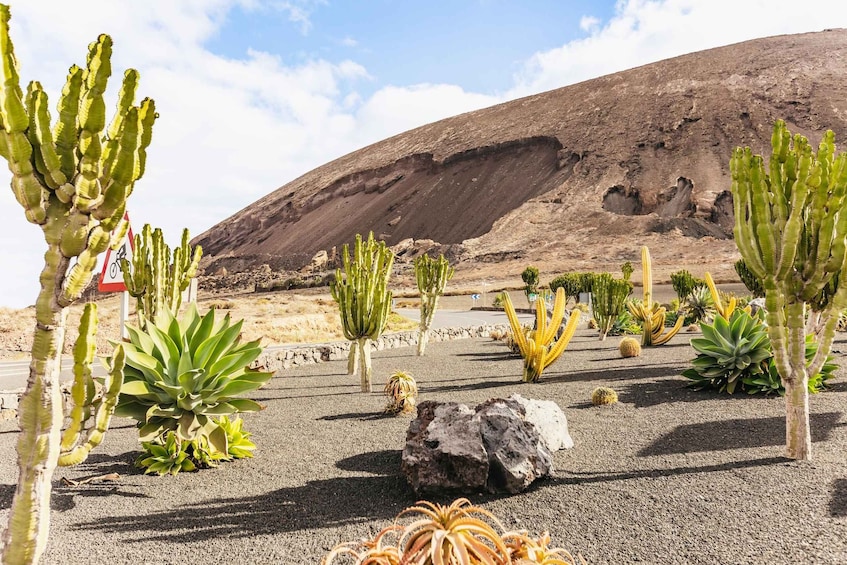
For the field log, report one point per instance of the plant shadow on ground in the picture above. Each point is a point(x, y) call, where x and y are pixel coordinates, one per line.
point(362, 416)
point(736, 434)
point(623, 373)
point(653, 393)
point(97, 465)
point(317, 504)
point(838, 500)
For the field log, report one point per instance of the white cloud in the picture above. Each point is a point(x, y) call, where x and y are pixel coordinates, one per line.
point(349, 42)
point(644, 31)
point(588, 23)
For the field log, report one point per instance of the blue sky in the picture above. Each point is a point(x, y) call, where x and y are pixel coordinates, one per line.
point(408, 42)
point(254, 93)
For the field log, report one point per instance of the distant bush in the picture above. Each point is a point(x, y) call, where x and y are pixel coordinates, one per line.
point(295, 283)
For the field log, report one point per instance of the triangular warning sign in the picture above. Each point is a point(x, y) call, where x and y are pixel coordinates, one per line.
point(111, 277)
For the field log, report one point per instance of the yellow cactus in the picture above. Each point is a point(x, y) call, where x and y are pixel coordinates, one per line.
point(538, 348)
point(649, 313)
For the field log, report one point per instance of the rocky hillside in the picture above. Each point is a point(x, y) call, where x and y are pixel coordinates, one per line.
point(574, 178)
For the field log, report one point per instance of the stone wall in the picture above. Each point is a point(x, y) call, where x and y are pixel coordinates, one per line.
point(292, 356)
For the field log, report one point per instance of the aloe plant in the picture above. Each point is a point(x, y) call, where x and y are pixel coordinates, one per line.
point(182, 374)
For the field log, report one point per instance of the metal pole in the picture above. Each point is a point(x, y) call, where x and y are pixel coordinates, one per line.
point(124, 314)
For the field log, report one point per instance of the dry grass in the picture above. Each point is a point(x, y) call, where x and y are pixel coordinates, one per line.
point(274, 318)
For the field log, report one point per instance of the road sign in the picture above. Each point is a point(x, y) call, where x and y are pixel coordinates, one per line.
point(111, 277)
point(474, 297)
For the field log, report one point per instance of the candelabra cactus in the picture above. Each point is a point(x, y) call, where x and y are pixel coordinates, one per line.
point(791, 230)
point(73, 181)
point(432, 276)
point(649, 313)
point(153, 279)
point(539, 348)
point(753, 284)
point(364, 300)
point(609, 301)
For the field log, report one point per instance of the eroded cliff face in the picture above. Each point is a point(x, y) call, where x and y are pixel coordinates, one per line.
point(578, 177)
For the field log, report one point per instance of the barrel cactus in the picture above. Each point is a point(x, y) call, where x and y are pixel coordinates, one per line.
point(629, 347)
point(603, 396)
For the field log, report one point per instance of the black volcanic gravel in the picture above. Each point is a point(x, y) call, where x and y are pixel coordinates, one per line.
point(668, 475)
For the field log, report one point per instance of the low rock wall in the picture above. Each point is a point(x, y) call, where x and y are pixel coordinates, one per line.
point(292, 356)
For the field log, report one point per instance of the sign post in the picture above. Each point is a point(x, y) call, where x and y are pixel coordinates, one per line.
point(112, 278)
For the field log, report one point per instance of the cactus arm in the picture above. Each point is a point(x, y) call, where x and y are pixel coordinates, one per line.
point(84, 350)
point(570, 329)
point(558, 315)
point(29, 192)
point(743, 231)
point(92, 120)
point(65, 131)
point(41, 139)
point(663, 339)
point(515, 324)
point(647, 276)
point(103, 415)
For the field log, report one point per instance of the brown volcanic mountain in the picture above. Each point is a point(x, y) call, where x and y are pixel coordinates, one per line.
point(575, 178)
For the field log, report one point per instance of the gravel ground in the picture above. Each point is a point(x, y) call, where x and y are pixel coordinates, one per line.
point(668, 475)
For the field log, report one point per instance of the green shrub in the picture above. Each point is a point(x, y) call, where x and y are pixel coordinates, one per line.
point(499, 299)
point(684, 284)
point(571, 282)
point(530, 279)
point(625, 324)
point(627, 269)
point(182, 374)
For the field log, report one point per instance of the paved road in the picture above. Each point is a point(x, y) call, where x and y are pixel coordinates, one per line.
point(13, 374)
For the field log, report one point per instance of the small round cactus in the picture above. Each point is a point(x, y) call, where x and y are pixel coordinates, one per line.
point(629, 347)
point(603, 395)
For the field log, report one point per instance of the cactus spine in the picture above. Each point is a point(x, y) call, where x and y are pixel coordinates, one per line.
point(432, 276)
point(791, 230)
point(153, 279)
point(649, 313)
point(364, 300)
point(608, 301)
point(72, 180)
point(539, 349)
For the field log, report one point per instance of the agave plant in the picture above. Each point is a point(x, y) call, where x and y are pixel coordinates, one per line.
point(699, 306)
point(182, 374)
point(452, 534)
point(770, 382)
point(735, 355)
point(167, 456)
point(730, 351)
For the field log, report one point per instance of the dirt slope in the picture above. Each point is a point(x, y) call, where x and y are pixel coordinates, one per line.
point(573, 178)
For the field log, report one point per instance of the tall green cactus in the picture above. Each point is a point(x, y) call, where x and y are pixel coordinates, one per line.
point(608, 301)
point(432, 276)
point(753, 284)
point(790, 227)
point(649, 313)
point(73, 180)
point(153, 279)
point(364, 300)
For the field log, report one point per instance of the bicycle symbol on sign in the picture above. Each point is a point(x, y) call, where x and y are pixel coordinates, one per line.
point(115, 266)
